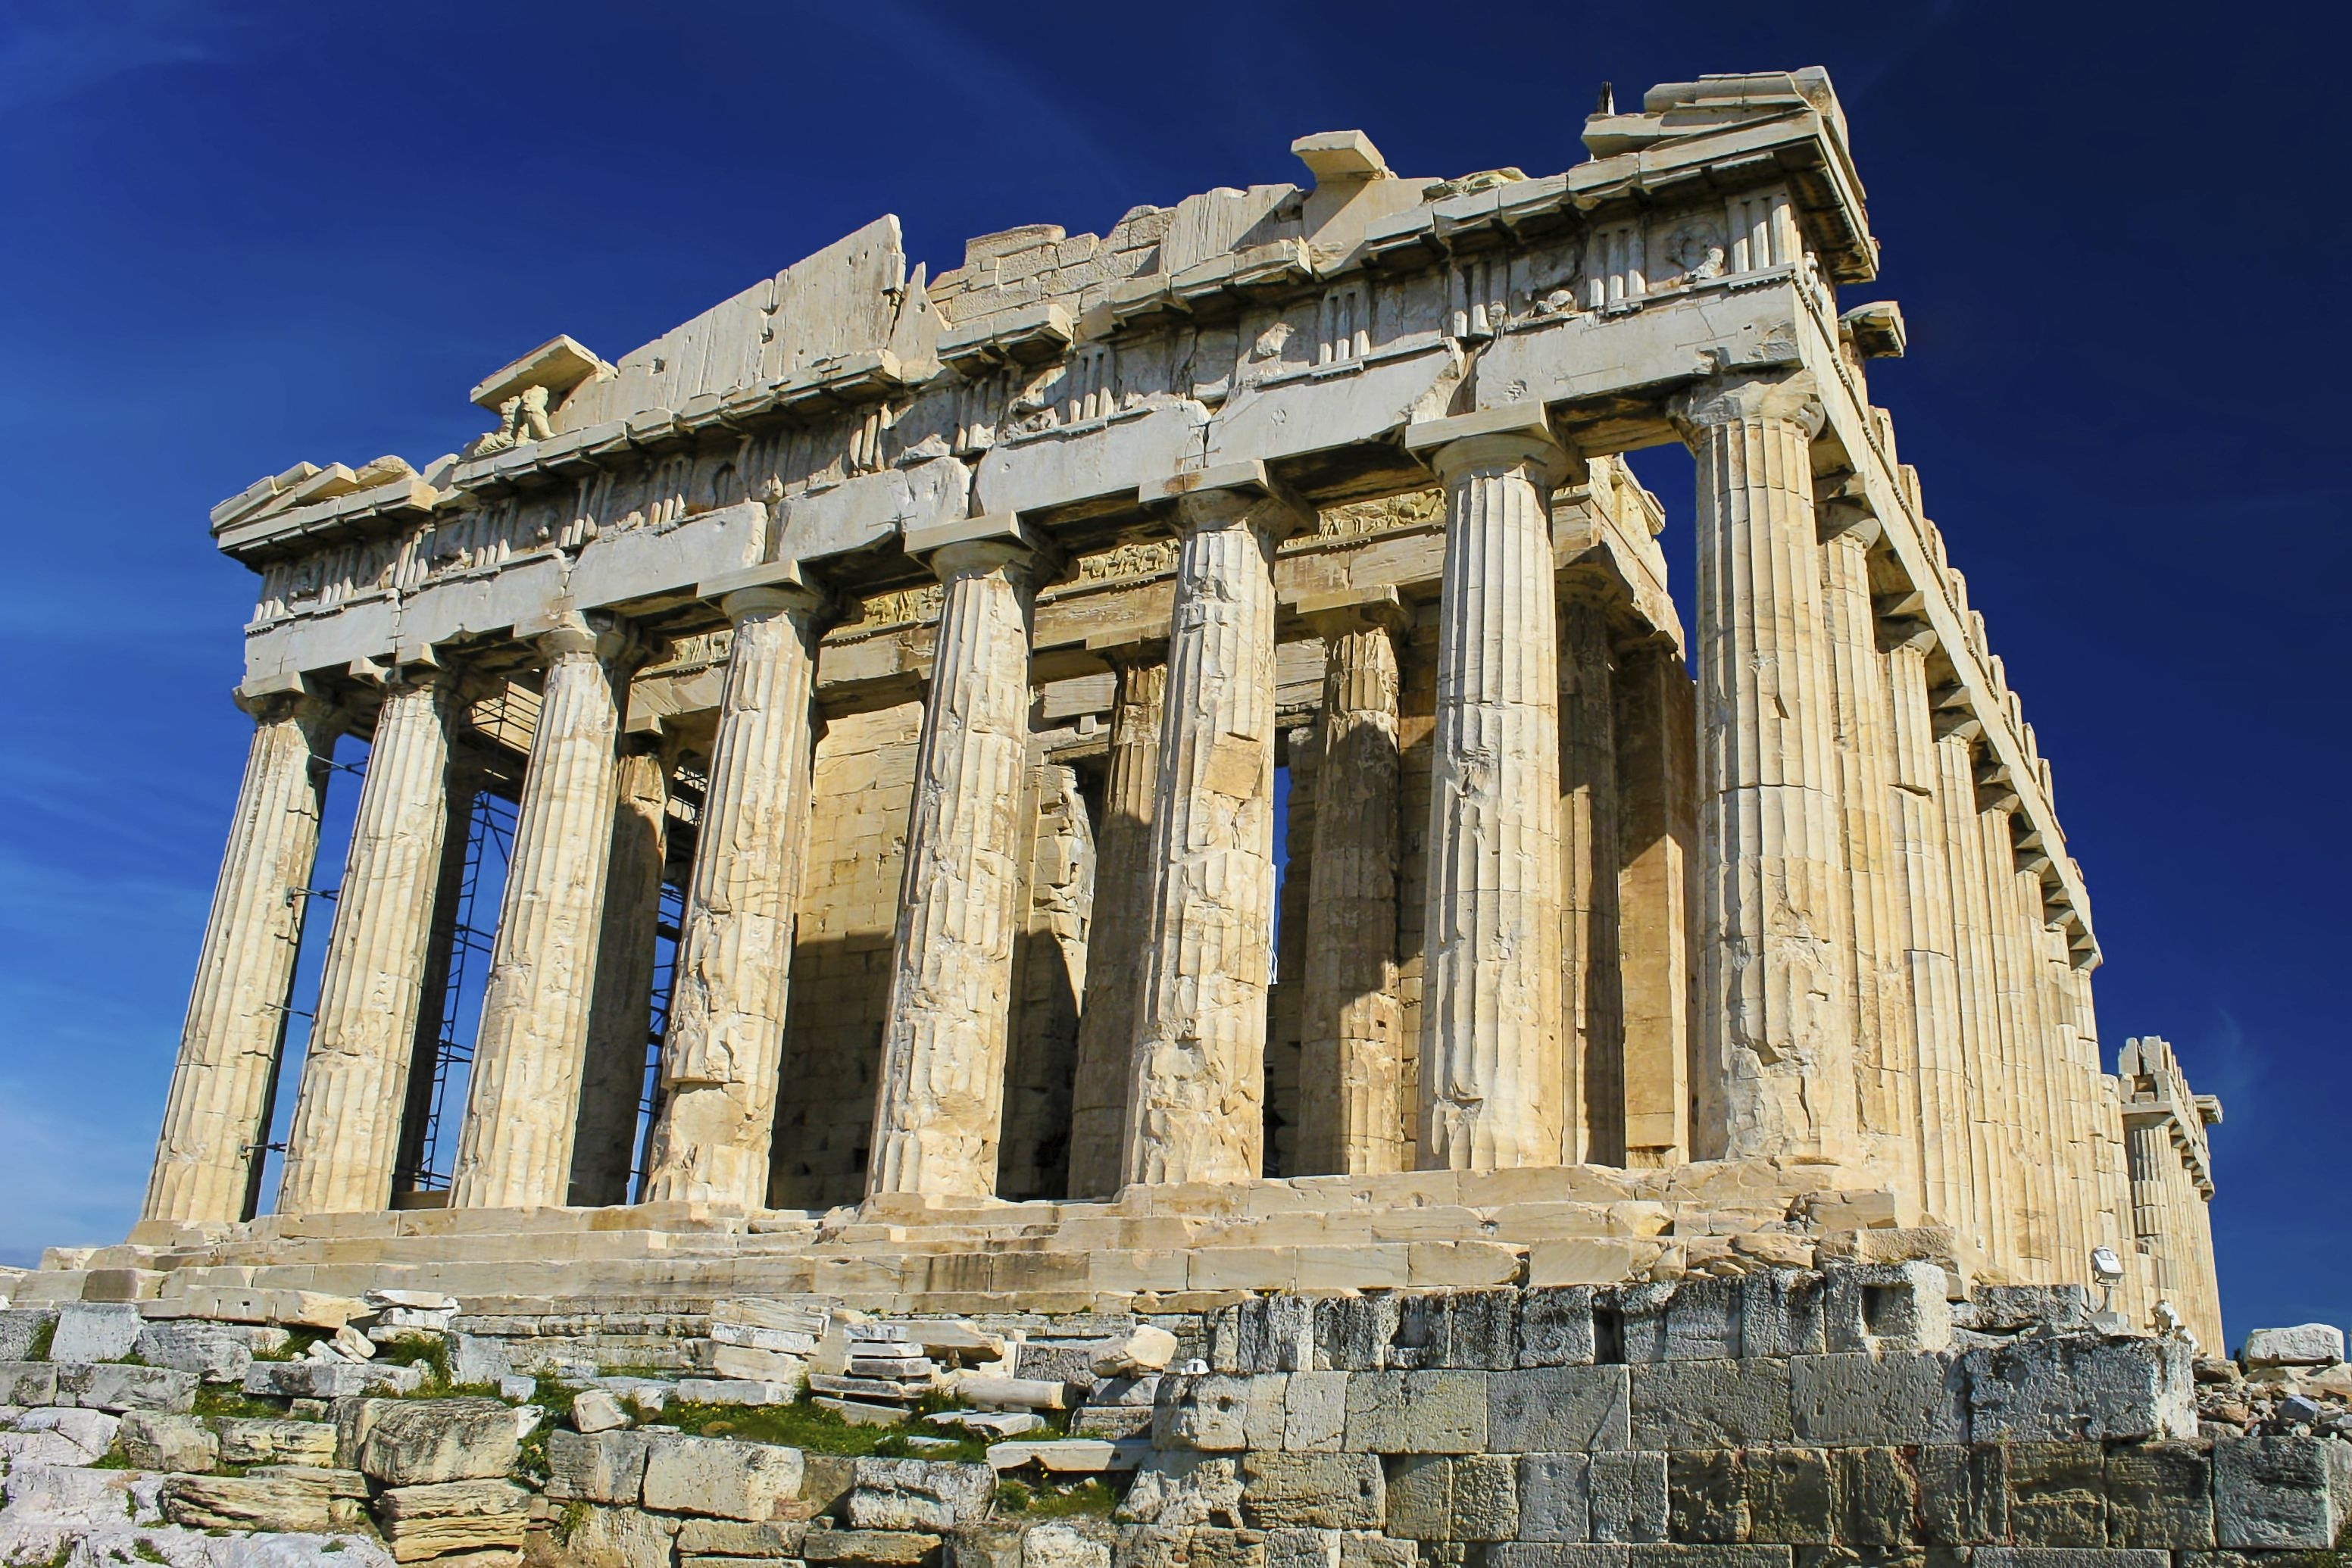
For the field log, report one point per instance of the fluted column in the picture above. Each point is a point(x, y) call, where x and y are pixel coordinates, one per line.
point(465, 786)
point(1122, 900)
point(723, 1052)
point(1656, 733)
point(620, 1011)
point(1197, 1090)
point(523, 1103)
point(1351, 1047)
point(1885, 1047)
point(1592, 1013)
point(1498, 1082)
point(207, 1156)
point(346, 1136)
point(1775, 1001)
point(1992, 1158)
point(940, 1108)
point(2029, 1122)
point(1932, 988)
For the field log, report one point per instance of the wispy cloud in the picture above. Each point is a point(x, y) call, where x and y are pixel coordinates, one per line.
point(53, 50)
point(69, 1182)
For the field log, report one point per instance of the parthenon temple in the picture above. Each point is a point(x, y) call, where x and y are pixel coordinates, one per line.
point(1165, 763)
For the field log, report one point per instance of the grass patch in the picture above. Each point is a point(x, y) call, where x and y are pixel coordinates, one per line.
point(43, 1338)
point(819, 1430)
point(569, 1520)
point(113, 1459)
point(1085, 1499)
point(145, 1549)
point(214, 1400)
point(417, 1350)
point(298, 1344)
point(328, 1546)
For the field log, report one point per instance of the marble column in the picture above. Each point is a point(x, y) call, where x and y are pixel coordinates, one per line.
point(522, 1106)
point(1352, 1043)
point(207, 1156)
point(465, 784)
point(1496, 1078)
point(1115, 967)
point(722, 1055)
point(1886, 1048)
point(346, 1136)
point(1656, 734)
point(2030, 1120)
point(939, 1112)
point(1197, 1090)
point(620, 1011)
point(1992, 1160)
point(1592, 1011)
point(1775, 999)
point(1932, 987)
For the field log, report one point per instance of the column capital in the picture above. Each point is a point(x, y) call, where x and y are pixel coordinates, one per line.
point(568, 634)
point(1732, 399)
point(1842, 508)
point(1232, 495)
point(1513, 435)
point(772, 587)
point(963, 546)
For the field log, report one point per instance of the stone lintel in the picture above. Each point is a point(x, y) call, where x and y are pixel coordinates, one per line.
point(1528, 419)
point(1378, 604)
point(767, 574)
point(260, 689)
point(1249, 474)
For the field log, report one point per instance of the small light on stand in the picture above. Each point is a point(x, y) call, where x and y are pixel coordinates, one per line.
point(2108, 1270)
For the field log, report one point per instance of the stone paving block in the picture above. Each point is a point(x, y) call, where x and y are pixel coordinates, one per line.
point(445, 1518)
point(1222, 1413)
point(1315, 1412)
point(256, 1440)
point(1877, 1497)
point(428, 1441)
point(1417, 1412)
point(278, 1497)
point(1287, 1546)
point(726, 1479)
point(152, 1441)
point(620, 1538)
point(1323, 1492)
point(740, 1538)
point(1556, 1497)
point(1963, 1493)
point(2280, 1492)
point(27, 1383)
point(1629, 1498)
point(1420, 1497)
point(330, 1380)
point(910, 1494)
point(109, 1386)
point(1781, 1313)
point(91, 1331)
point(1710, 1404)
point(1366, 1548)
point(1556, 1326)
point(1706, 1500)
point(2160, 1495)
point(600, 1467)
point(1263, 1334)
point(1217, 1548)
point(1860, 1397)
point(1352, 1334)
point(2057, 1494)
point(1703, 1320)
point(1470, 1329)
point(1789, 1497)
point(1558, 1409)
point(2080, 1386)
point(870, 1548)
point(21, 1329)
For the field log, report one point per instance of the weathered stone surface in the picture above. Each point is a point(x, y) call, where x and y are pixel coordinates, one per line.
point(1554, 1497)
point(1963, 1493)
point(594, 1410)
point(1889, 1307)
point(621, 1538)
point(22, 1328)
point(109, 1386)
point(443, 1518)
point(216, 1353)
point(330, 1380)
point(1554, 1409)
point(2080, 1386)
point(27, 1383)
point(1322, 1491)
point(2307, 1344)
point(2281, 1492)
point(428, 1441)
point(278, 1497)
point(1061, 1546)
point(2057, 1494)
point(730, 1480)
point(56, 1437)
point(1417, 1413)
point(1180, 1490)
point(1788, 1495)
point(1875, 1495)
point(919, 1495)
point(1864, 1397)
point(1556, 1326)
point(1706, 1498)
point(869, 1548)
point(1710, 1404)
point(2160, 1495)
point(1629, 1497)
point(251, 1440)
point(177, 1442)
point(1146, 1349)
point(601, 1468)
point(95, 1332)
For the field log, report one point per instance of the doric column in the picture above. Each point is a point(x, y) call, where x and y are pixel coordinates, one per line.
point(723, 1050)
point(464, 785)
point(1992, 1160)
point(941, 1106)
point(523, 1103)
point(1932, 991)
point(1592, 1013)
point(620, 1011)
point(207, 1156)
point(1656, 734)
point(1196, 1095)
point(2029, 1119)
point(1122, 905)
point(1352, 1045)
point(1885, 1050)
point(1496, 1089)
point(345, 1137)
point(1775, 999)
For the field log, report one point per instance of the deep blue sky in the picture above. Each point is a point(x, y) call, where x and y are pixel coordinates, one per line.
point(236, 235)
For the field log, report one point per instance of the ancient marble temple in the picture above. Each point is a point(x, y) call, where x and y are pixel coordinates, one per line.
point(1160, 728)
